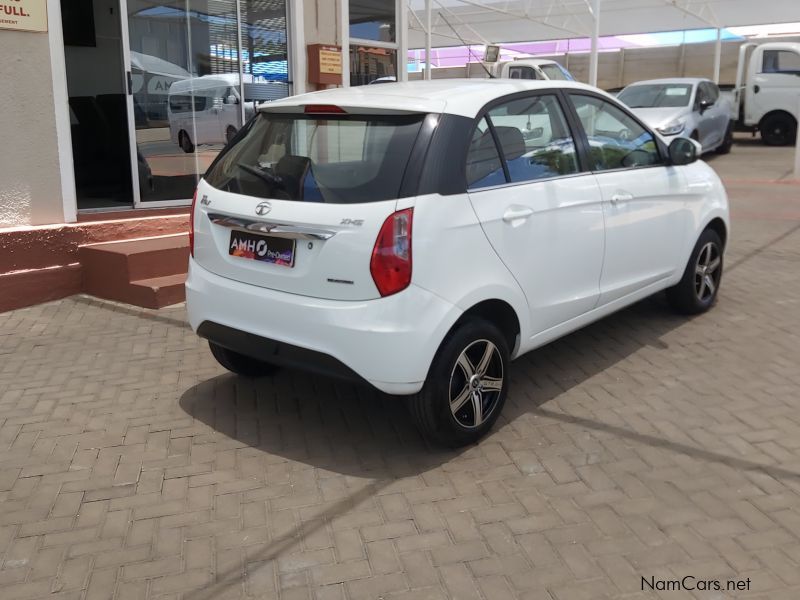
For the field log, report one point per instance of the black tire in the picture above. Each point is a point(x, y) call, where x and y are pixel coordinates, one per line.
point(778, 129)
point(230, 133)
point(727, 143)
point(693, 294)
point(475, 339)
point(241, 364)
point(185, 142)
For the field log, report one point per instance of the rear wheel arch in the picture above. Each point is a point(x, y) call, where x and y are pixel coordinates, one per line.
point(500, 314)
point(718, 225)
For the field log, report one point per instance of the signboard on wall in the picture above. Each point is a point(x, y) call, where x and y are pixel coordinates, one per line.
point(324, 64)
point(23, 15)
point(330, 61)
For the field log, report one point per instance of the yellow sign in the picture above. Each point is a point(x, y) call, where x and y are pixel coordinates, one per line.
point(24, 15)
point(330, 61)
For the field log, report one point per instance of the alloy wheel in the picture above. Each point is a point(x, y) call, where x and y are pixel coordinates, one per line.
point(707, 272)
point(476, 383)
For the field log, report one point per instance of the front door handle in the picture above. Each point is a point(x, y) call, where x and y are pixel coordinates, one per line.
point(517, 213)
point(621, 197)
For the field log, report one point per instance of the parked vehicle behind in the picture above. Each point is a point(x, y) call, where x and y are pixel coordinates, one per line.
point(765, 98)
point(419, 236)
point(533, 68)
point(683, 106)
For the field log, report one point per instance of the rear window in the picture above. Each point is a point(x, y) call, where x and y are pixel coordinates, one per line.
point(345, 159)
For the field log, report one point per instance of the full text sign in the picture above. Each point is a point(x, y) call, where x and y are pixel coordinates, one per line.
point(24, 15)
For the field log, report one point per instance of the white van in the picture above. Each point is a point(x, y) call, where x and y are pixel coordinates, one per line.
point(204, 110)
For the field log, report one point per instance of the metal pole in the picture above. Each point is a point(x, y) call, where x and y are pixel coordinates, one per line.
point(595, 38)
point(240, 61)
point(402, 40)
point(428, 31)
point(717, 55)
point(344, 40)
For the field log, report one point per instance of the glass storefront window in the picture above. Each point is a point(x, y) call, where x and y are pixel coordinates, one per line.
point(373, 20)
point(372, 65)
point(189, 96)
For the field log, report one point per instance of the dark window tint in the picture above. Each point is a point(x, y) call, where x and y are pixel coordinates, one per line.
point(522, 73)
point(616, 140)
point(484, 168)
point(781, 61)
point(338, 160)
point(656, 95)
point(534, 137)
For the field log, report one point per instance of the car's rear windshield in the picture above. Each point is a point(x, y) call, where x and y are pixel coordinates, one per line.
point(657, 95)
point(338, 159)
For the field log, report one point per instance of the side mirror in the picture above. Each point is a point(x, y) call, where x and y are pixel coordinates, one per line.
point(683, 151)
point(705, 105)
point(231, 100)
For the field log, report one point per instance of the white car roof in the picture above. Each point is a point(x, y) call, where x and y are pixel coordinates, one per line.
point(677, 80)
point(463, 97)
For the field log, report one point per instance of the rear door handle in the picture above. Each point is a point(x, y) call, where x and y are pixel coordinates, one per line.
point(516, 213)
point(621, 197)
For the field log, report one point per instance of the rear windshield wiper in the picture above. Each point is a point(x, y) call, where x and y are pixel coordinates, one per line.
point(272, 180)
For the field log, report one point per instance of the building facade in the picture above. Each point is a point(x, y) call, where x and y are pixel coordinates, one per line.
point(111, 110)
point(121, 105)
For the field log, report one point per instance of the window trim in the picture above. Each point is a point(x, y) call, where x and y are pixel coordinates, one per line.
point(484, 112)
point(584, 148)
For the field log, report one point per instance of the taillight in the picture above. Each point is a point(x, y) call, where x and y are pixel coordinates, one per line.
point(191, 223)
point(323, 109)
point(391, 257)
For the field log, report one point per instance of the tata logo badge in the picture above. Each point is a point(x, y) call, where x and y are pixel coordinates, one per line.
point(263, 208)
point(204, 200)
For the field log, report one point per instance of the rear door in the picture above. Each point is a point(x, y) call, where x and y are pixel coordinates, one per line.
point(645, 202)
point(540, 211)
point(296, 204)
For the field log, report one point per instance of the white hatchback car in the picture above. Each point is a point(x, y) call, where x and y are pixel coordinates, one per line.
point(419, 236)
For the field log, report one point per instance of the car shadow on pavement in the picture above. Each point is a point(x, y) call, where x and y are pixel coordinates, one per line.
point(354, 430)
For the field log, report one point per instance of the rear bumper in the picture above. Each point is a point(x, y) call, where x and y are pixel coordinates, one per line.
point(389, 342)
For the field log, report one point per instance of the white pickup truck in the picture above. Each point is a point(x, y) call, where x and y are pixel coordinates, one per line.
point(532, 68)
point(767, 92)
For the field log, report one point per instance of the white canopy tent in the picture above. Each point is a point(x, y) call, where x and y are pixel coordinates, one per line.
point(440, 23)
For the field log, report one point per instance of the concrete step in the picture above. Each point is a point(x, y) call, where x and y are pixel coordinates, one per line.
point(147, 272)
point(158, 292)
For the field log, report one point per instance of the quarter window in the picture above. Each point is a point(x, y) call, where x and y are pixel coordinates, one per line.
point(616, 140)
point(534, 137)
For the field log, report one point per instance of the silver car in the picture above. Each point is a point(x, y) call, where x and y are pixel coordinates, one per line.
point(683, 106)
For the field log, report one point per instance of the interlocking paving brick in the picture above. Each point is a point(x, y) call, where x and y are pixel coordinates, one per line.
point(647, 444)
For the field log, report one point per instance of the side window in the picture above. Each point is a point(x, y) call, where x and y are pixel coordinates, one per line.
point(781, 61)
point(535, 138)
point(521, 73)
point(616, 140)
point(483, 161)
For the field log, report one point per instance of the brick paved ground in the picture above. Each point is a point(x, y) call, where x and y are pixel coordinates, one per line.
point(647, 445)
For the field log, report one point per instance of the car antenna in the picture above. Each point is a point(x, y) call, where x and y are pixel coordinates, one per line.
point(469, 48)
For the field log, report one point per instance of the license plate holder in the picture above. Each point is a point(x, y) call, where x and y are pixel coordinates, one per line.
point(264, 248)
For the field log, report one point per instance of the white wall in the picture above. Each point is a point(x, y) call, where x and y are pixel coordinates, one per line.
point(30, 177)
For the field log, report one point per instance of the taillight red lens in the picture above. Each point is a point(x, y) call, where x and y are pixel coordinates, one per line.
point(391, 257)
point(191, 223)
